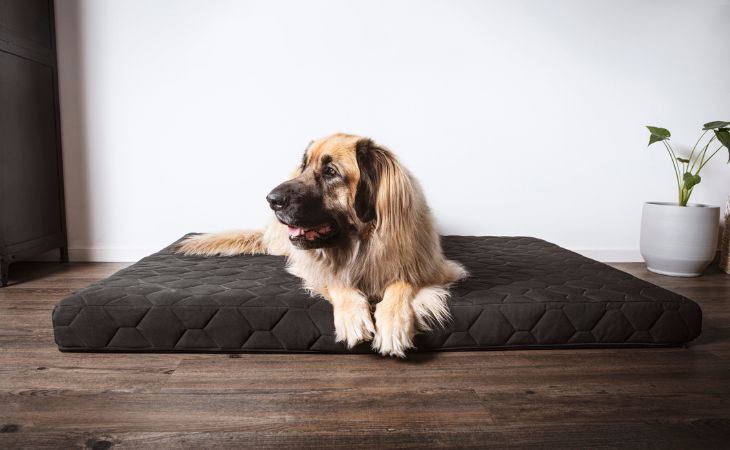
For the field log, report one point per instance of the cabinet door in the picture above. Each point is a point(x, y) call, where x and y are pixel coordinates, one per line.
point(29, 165)
point(27, 20)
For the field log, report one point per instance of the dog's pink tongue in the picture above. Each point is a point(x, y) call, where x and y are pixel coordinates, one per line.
point(295, 231)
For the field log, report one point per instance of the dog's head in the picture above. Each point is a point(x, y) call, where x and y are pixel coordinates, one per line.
point(334, 193)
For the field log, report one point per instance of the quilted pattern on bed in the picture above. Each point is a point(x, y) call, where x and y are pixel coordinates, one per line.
point(522, 292)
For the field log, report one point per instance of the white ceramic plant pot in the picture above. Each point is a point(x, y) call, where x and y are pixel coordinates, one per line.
point(679, 240)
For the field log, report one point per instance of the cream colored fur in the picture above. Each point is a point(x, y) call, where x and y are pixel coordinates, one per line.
point(396, 257)
point(431, 308)
point(353, 322)
point(395, 320)
point(226, 243)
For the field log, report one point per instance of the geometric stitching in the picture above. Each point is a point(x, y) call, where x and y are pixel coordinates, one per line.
point(518, 285)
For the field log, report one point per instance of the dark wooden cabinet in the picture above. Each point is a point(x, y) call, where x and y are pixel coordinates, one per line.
point(32, 216)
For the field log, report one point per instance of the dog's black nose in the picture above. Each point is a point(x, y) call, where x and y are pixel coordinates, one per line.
point(277, 199)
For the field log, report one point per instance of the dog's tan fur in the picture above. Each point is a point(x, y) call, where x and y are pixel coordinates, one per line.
point(396, 257)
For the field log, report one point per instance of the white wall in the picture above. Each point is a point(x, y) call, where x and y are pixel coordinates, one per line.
point(519, 117)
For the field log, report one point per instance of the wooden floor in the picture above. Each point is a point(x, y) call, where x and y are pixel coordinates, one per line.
point(643, 398)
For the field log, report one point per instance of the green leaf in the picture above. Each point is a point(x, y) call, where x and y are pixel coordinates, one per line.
point(691, 181)
point(657, 134)
point(723, 135)
point(714, 125)
point(682, 160)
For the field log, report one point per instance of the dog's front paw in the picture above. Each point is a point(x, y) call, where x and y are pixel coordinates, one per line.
point(353, 324)
point(395, 329)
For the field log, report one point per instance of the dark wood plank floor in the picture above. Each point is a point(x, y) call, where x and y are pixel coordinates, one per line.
point(603, 398)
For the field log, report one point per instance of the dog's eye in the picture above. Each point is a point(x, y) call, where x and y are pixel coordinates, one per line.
point(329, 172)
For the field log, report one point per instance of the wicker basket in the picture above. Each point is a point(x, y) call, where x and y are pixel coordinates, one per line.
point(725, 244)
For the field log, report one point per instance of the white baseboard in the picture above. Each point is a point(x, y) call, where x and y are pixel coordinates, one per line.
point(611, 255)
point(105, 254)
point(97, 255)
point(109, 254)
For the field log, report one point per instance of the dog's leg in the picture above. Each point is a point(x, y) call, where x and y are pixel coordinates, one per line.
point(395, 320)
point(353, 323)
point(227, 243)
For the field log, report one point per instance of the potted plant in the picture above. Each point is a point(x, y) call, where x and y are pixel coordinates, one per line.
point(680, 239)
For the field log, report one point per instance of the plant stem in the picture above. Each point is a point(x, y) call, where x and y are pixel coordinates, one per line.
point(708, 159)
point(673, 157)
point(701, 155)
point(696, 143)
point(684, 196)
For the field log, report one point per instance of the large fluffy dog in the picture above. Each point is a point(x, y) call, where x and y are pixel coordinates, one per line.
point(356, 228)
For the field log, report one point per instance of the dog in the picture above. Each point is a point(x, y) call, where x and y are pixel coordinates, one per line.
point(356, 228)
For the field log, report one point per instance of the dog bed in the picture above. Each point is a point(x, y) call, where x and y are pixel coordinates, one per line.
point(522, 293)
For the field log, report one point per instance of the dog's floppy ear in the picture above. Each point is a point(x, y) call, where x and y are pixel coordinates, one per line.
point(369, 161)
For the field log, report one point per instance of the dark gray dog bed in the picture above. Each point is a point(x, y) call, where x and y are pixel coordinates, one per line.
point(523, 293)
